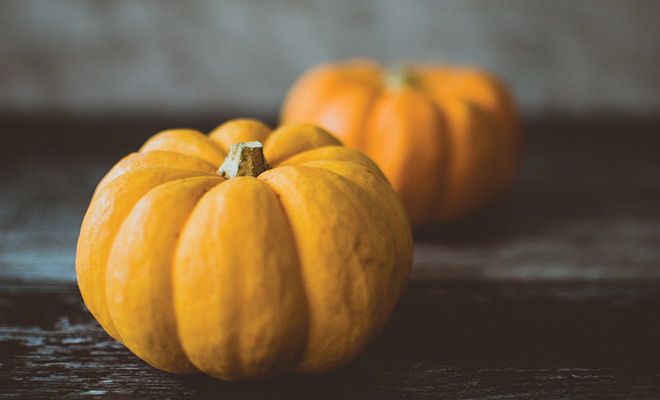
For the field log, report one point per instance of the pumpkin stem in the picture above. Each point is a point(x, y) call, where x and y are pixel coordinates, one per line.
point(244, 159)
point(400, 77)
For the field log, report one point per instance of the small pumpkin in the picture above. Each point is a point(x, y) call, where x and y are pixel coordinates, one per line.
point(447, 137)
point(212, 253)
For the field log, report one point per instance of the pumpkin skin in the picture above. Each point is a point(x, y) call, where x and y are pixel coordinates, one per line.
point(296, 269)
point(447, 137)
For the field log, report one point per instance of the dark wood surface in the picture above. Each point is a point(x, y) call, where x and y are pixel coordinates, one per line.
point(553, 295)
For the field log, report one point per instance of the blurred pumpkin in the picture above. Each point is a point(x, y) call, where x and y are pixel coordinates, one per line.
point(447, 137)
point(198, 255)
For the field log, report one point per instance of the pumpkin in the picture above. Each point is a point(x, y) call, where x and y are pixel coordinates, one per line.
point(447, 137)
point(214, 253)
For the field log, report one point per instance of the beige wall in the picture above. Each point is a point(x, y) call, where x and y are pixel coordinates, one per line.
point(569, 56)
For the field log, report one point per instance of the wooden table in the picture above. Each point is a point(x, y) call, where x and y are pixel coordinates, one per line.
point(553, 295)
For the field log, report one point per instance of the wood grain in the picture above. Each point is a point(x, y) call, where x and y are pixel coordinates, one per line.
point(447, 340)
point(554, 294)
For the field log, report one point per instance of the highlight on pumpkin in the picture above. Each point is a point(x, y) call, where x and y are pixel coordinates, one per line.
point(212, 253)
point(448, 137)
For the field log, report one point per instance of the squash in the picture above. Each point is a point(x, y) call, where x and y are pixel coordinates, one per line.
point(214, 253)
point(447, 137)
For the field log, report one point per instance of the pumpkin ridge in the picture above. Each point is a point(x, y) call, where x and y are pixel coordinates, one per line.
point(434, 202)
point(294, 243)
point(139, 272)
point(413, 165)
point(225, 282)
point(400, 226)
point(154, 158)
point(325, 166)
point(345, 314)
point(88, 275)
point(354, 84)
point(202, 173)
point(188, 142)
point(289, 140)
point(335, 153)
point(361, 140)
point(239, 130)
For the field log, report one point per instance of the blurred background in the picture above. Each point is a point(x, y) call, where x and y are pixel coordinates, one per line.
point(99, 57)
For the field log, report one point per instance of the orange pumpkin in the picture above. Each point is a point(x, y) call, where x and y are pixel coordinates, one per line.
point(447, 137)
point(197, 260)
